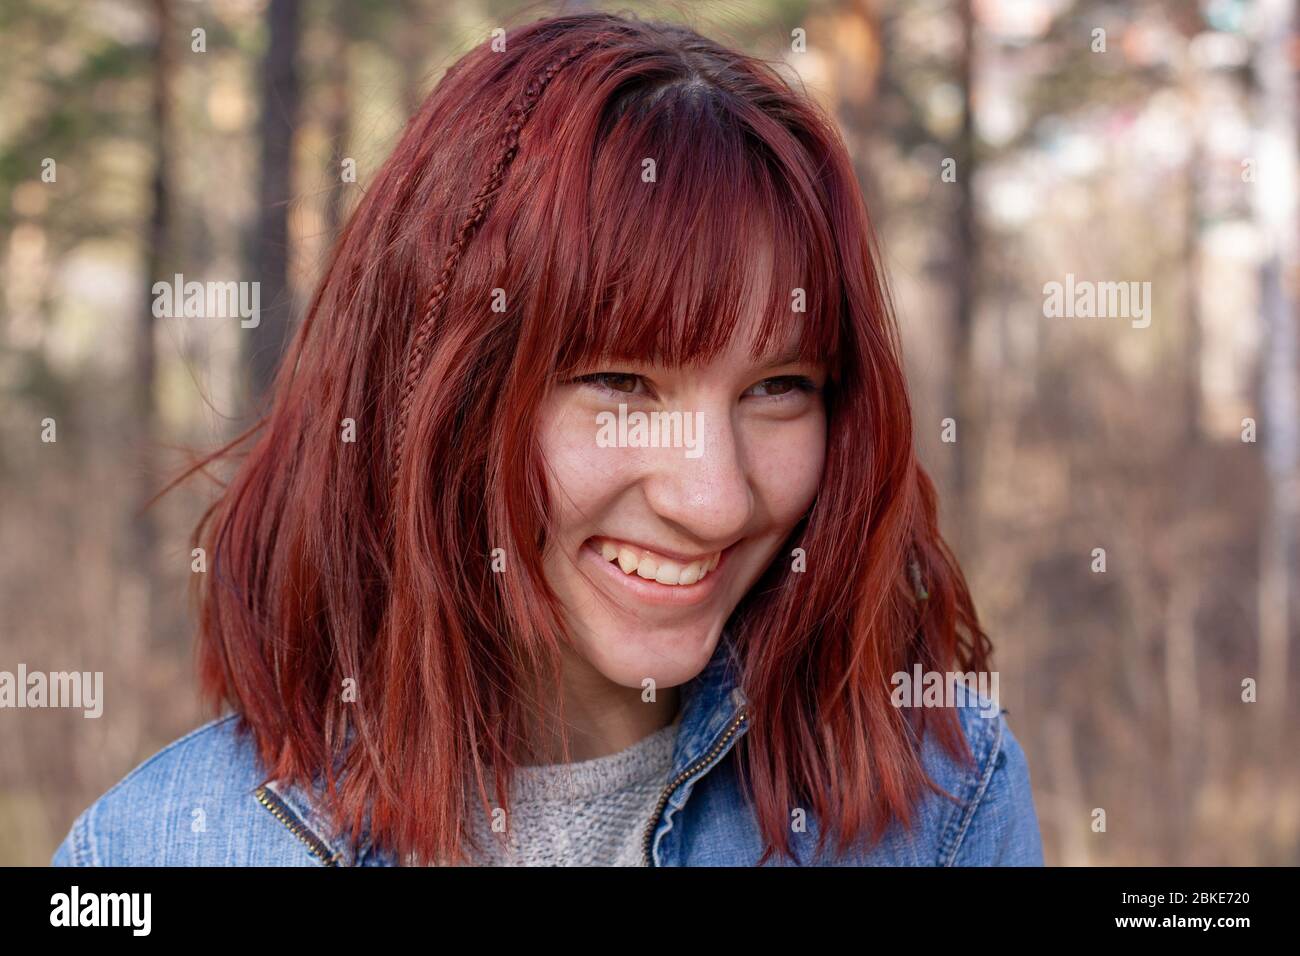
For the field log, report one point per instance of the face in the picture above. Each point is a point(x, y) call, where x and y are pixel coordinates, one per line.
point(653, 547)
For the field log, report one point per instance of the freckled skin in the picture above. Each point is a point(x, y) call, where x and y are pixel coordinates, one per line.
point(758, 475)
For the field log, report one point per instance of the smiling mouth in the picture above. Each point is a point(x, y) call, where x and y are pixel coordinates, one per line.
point(640, 562)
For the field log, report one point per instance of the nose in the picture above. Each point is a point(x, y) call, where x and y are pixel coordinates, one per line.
point(708, 497)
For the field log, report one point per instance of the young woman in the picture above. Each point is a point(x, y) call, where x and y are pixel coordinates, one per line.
point(586, 526)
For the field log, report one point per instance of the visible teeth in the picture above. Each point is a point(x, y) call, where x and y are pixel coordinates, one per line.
point(669, 573)
point(651, 568)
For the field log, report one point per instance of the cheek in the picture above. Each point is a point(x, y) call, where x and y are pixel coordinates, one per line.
point(787, 468)
point(582, 479)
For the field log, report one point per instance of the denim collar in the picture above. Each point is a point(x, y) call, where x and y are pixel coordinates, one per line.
point(710, 703)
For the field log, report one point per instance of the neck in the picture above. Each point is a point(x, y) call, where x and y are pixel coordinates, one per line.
point(600, 717)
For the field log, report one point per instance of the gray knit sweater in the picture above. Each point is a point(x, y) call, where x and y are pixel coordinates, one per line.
point(588, 813)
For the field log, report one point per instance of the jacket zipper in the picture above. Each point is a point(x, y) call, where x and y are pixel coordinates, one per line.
point(280, 810)
point(697, 767)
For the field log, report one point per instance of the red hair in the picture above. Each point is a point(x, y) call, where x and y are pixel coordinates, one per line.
point(522, 171)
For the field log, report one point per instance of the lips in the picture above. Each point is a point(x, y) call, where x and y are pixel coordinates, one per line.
point(674, 571)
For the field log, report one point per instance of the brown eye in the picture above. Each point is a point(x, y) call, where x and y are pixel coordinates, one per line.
point(781, 385)
point(778, 386)
point(621, 383)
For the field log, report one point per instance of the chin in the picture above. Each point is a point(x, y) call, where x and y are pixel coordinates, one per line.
point(627, 655)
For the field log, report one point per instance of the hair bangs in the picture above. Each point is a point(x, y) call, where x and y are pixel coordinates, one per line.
point(707, 241)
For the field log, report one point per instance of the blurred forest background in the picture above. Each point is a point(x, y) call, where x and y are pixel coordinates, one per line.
point(1166, 153)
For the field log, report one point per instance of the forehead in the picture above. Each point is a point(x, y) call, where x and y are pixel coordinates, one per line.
point(744, 353)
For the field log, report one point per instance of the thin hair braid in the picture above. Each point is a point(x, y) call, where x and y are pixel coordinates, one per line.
point(508, 147)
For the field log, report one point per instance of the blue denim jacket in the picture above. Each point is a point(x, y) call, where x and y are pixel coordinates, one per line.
point(204, 801)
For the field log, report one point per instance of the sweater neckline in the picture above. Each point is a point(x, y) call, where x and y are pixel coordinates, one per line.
point(649, 759)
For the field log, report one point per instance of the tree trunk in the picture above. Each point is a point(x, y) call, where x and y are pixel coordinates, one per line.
point(338, 121)
point(962, 403)
point(141, 534)
point(1275, 191)
point(280, 102)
